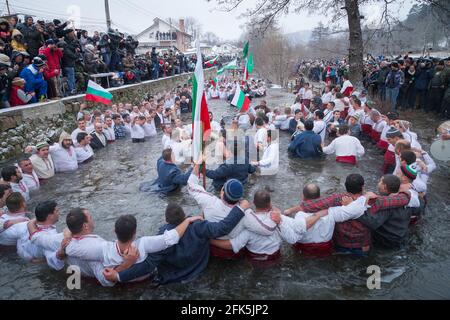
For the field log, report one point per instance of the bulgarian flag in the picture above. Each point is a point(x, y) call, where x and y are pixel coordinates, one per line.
point(211, 63)
point(214, 83)
point(201, 126)
point(245, 51)
point(240, 100)
point(231, 66)
point(249, 66)
point(96, 93)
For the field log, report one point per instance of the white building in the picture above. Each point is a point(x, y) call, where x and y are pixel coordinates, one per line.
point(164, 35)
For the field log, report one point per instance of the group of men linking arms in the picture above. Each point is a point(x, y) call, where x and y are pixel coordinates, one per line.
point(229, 228)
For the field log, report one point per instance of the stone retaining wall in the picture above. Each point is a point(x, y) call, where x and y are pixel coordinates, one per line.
point(28, 125)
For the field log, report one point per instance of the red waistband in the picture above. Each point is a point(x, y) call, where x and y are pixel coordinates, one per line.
point(389, 157)
point(220, 253)
point(375, 135)
point(215, 98)
point(366, 129)
point(315, 249)
point(384, 145)
point(348, 91)
point(111, 141)
point(347, 159)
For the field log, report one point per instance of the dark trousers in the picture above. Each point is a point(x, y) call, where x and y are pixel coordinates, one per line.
point(422, 95)
point(435, 97)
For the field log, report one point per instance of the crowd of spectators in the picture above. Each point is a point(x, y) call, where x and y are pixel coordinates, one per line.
point(402, 83)
point(42, 60)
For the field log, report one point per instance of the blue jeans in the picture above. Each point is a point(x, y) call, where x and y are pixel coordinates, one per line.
point(70, 74)
point(391, 97)
point(155, 71)
point(106, 58)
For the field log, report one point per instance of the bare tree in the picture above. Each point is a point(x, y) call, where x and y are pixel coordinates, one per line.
point(193, 27)
point(266, 12)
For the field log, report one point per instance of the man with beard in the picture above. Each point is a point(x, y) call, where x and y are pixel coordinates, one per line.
point(81, 128)
point(13, 176)
point(53, 55)
point(63, 154)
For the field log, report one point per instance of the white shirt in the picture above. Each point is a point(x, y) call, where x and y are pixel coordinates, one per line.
point(31, 181)
point(109, 133)
point(150, 129)
point(308, 95)
point(137, 132)
point(320, 128)
point(327, 97)
point(113, 258)
point(261, 138)
point(22, 188)
point(270, 161)
point(30, 251)
point(215, 126)
point(366, 119)
point(166, 142)
point(347, 84)
point(258, 243)
point(244, 121)
point(345, 146)
point(379, 126)
point(75, 134)
point(87, 253)
point(322, 231)
point(339, 105)
point(84, 153)
point(301, 92)
point(10, 236)
point(64, 160)
point(328, 116)
point(45, 168)
point(178, 151)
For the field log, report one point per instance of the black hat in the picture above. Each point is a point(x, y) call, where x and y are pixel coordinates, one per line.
point(57, 22)
point(38, 62)
point(49, 42)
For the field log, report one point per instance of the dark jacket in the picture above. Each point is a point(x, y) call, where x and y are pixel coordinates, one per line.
point(306, 145)
point(170, 178)
point(186, 260)
point(235, 170)
point(96, 144)
point(70, 55)
point(389, 227)
point(33, 38)
point(423, 77)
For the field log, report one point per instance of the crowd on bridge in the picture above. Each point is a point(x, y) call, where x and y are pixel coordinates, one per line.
point(337, 121)
point(41, 60)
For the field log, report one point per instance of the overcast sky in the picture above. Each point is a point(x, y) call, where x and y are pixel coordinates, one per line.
point(133, 16)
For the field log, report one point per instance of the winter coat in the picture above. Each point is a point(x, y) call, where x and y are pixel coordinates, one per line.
point(90, 61)
point(306, 145)
point(423, 77)
point(53, 58)
point(18, 46)
point(5, 35)
point(395, 79)
point(33, 38)
point(235, 170)
point(32, 78)
point(170, 178)
point(70, 55)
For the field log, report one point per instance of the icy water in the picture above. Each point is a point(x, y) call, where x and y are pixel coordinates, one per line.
point(108, 187)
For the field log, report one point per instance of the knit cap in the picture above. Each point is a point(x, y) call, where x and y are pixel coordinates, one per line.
point(234, 190)
point(410, 171)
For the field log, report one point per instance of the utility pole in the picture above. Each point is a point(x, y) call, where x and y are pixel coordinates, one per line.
point(7, 5)
point(108, 16)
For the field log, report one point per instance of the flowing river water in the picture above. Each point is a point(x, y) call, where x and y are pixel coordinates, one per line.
point(108, 187)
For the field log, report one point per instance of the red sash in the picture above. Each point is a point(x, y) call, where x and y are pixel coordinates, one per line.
point(414, 220)
point(344, 113)
point(111, 141)
point(376, 136)
point(220, 253)
point(366, 129)
point(307, 102)
point(348, 91)
point(389, 160)
point(383, 145)
point(315, 249)
point(347, 159)
point(215, 98)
